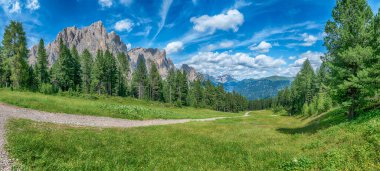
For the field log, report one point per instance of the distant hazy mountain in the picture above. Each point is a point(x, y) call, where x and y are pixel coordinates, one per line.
point(253, 88)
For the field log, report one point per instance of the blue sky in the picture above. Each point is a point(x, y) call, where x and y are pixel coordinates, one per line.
point(243, 38)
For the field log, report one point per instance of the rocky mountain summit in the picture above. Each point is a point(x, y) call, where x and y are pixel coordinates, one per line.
point(95, 37)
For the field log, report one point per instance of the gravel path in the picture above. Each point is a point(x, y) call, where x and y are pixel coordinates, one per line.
point(7, 111)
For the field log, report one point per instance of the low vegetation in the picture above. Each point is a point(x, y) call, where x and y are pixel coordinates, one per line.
point(262, 141)
point(109, 106)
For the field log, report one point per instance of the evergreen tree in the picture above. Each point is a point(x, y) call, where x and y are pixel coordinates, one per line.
point(155, 83)
point(170, 86)
point(64, 70)
point(140, 79)
point(15, 67)
point(350, 57)
point(86, 68)
point(111, 73)
point(42, 72)
point(98, 73)
point(123, 67)
point(76, 67)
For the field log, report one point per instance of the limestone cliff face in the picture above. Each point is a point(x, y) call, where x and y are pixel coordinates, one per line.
point(192, 74)
point(95, 37)
point(151, 55)
point(92, 38)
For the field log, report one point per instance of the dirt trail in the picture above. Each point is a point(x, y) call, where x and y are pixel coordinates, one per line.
point(7, 111)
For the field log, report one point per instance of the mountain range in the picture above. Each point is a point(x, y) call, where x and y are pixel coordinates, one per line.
point(253, 88)
point(95, 37)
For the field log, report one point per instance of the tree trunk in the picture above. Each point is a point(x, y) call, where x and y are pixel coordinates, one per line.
point(351, 112)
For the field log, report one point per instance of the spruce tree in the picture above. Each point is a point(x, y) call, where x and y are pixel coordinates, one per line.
point(63, 69)
point(98, 73)
point(86, 68)
point(155, 83)
point(123, 74)
point(350, 57)
point(15, 67)
point(42, 72)
point(140, 79)
point(111, 73)
point(76, 68)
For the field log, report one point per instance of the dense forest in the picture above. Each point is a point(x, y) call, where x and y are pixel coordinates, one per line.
point(350, 73)
point(104, 75)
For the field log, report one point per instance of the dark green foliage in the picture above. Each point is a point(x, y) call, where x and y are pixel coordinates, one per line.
point(169, 87)
point(86, 68)
point(155, 84)
point(105, 73)
point(65, 71)
point(351, 40)
point(123, 74)
point(15, 69)
point(76, 66)
point(41, 67)
point(140, 80)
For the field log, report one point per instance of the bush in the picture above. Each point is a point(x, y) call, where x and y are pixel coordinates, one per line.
point(47, 88)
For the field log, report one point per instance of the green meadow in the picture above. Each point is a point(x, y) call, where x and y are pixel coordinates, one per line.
point(262, 141)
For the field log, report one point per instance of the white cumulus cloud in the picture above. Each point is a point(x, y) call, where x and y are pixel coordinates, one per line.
point(263, 47)
point(314, 58)
point(14, 7)
point(124, 25)
point(238, 65)
point(174, 47)
point(105, 3)
point(32, 5)
point(129, 46)
point(228, 21)
point(221, 45)
point(309, 40)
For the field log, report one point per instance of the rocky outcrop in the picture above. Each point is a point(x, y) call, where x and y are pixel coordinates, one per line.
point(95, 37)
point(190, 71)
point(92, 38)
point(151, 55)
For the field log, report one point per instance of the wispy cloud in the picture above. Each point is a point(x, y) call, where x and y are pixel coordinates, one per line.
point(165, 7)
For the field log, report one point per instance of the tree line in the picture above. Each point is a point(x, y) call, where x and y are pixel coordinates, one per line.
point(350, 73)
point(105, 74)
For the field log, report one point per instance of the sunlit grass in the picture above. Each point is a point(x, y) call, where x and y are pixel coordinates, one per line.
point(116, 107)
point(262, 141)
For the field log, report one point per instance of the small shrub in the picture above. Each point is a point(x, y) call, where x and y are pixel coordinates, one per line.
point(47, 88)
point(302, 163)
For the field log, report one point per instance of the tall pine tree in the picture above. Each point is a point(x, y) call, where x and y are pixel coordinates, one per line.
point(350, 56)
point(42, 72)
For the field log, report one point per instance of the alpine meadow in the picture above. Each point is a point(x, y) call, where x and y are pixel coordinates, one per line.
point(189, 85)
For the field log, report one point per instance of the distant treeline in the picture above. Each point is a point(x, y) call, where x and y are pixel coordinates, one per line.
point(104, 75)
point(350, 73)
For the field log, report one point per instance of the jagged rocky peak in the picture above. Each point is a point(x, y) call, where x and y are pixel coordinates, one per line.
point(225, 78)
point(92, 38)
point(190, 71)
point(151, 55)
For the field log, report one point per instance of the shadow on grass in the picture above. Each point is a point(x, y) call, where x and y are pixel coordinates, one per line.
point(324, 121)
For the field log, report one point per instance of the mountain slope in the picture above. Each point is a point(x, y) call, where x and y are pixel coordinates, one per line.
point(95, 37)
point(258, 88)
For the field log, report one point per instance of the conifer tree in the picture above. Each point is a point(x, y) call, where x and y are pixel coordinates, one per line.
point(350, 57)
point(42, 72)
point(140, 79)
point(76, 67)
point(155, 83)
point(123, 74)
point(86, 68)
point(15, 67)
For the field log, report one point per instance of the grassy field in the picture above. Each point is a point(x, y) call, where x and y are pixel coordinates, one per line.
point(262, 141)
point(116, 107)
